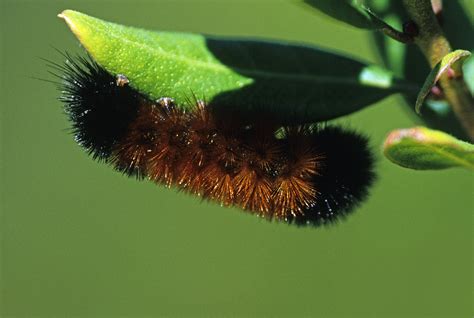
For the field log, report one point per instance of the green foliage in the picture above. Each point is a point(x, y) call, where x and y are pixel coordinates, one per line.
point(425, 149)
point(292, 83)
point(468, 70)
point(305, 84)
point(408, 62)
point(449, 61)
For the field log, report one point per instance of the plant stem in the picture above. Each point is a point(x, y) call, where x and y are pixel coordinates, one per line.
point(397, 35)
point(435, 46)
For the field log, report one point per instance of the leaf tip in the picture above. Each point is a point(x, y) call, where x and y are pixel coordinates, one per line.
point(419, 104)
point(418, 134)
point(66, 15)
point(397, 135)
point(81, 25)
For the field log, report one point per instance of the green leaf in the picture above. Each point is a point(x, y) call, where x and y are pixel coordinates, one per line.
point(449, 61)
point(423, 149)
point(290, 83)
point(407, 61)
point(468, 71)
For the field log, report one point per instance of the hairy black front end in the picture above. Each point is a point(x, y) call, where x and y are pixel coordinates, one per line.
point(100, 106)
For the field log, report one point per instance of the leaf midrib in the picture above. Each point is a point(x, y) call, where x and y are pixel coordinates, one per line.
point(442, 152)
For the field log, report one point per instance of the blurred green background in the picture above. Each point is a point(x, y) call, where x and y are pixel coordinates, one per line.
point(79, 239)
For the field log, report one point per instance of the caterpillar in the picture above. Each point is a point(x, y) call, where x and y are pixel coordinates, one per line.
point(302, 174)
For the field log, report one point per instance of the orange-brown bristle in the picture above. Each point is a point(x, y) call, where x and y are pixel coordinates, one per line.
point(201, 133)
point(227, 149)
point(195, 156)
point(132, 154)
point(217, 183)
point(300, 174)
point(254, 189)
point(263, 149)
point(295, 189)
point(248, 167)
point(292, 196)
point(171, 124)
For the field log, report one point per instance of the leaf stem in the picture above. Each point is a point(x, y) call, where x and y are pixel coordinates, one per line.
point(397, 35)
point(387, 29)
point(435, 46)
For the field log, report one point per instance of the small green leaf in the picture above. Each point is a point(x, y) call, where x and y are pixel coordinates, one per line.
point(407, 61)
point(423, 149)
point(449, 61)
point(468, 71)
point(290, 83)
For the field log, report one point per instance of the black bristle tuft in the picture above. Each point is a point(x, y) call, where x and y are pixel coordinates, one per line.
point(99, 105)
point(344, 178)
